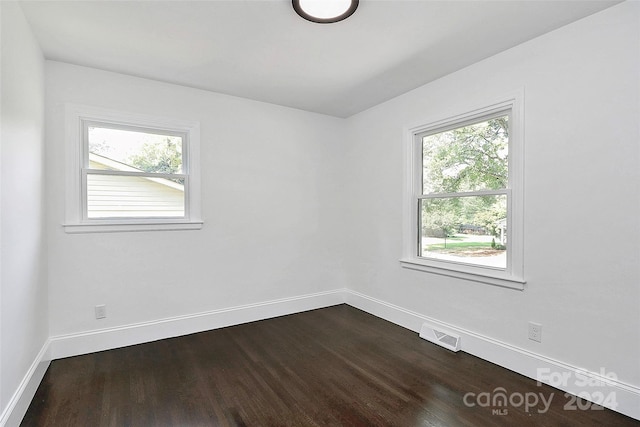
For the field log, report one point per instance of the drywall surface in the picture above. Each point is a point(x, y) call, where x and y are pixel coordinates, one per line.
point(582, 201)
point(23, 314)
point(267, 234)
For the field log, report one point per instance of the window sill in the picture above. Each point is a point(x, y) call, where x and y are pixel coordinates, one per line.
point(497, 278)
point(130, 226)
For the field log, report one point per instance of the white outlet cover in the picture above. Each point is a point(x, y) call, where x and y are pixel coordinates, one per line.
point(535, 331)
point(101, 311)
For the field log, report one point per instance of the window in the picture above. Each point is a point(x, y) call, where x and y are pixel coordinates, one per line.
point(130, 172)
point(463, 196)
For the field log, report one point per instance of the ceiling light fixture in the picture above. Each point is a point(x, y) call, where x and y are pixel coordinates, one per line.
point(325, 11)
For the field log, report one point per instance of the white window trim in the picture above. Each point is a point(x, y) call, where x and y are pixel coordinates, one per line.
point(75, 222)
point(513, 275)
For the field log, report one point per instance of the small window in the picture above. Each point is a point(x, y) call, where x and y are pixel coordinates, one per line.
point(464, 200)
point(133, 173)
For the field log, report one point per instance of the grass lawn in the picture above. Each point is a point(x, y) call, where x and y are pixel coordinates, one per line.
point(458, 245)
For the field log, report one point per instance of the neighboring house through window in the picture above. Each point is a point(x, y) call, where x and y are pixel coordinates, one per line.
point(131, 172)
point(464, 195)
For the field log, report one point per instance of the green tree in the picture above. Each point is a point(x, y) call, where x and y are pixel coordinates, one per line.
point(469, 158)
point(440, 218)
point(489, 216)
point(165, 157)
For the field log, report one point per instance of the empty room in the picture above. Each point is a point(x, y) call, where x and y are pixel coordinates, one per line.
point(314, 212)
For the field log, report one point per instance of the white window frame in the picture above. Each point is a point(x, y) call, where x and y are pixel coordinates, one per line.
point(513, 275)
point(76, 221)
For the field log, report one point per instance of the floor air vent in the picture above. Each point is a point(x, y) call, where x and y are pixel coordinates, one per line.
point(440, 337)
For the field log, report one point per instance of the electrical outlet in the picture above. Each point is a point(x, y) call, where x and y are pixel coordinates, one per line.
point(101, 311)
point(535, 331)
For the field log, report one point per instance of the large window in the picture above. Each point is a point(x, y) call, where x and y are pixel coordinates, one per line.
point(130, 172)
point(464, 196)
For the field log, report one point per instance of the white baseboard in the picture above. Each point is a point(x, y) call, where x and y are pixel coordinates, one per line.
point(58, 347)
point(122, 336)
point(19, 403)
point(627, 397)
point(598, 387)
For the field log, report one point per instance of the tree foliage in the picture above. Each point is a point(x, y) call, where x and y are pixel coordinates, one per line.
point(163, 158)
point(469, 158)
point(440, 218)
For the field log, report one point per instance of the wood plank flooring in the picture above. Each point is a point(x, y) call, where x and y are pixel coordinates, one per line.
point(336, 366)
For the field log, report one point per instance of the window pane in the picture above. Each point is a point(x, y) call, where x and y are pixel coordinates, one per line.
point(113, 196)
point(471, 230)
point(117, 149)
point(469, 158)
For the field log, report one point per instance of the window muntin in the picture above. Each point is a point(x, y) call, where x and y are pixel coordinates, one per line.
point(463, 206)
point(133, 172)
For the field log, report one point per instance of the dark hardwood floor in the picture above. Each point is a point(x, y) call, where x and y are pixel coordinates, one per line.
point(335, 366)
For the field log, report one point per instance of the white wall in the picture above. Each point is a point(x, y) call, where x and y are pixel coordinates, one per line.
point(582, 235)
point(266, 171)
point(23, 291)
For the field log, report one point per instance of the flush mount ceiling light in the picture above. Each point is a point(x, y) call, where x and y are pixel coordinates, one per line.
point(325, 11)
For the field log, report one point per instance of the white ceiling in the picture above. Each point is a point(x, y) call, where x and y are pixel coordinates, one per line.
point(263, 51)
